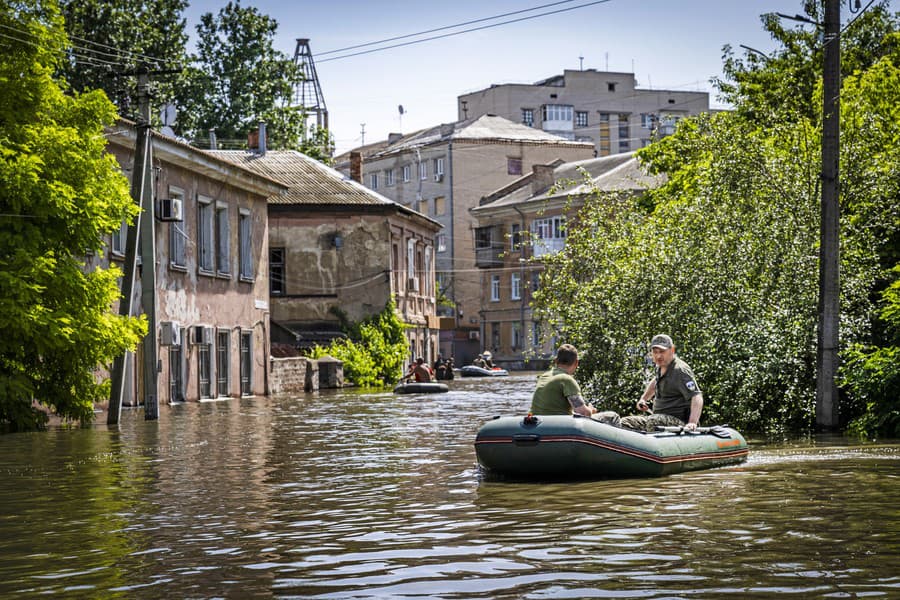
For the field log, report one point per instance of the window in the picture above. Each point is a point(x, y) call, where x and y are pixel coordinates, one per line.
point(603, 117)
point(515, 282)
point(624, 134)
point(246, 363)
point(276, 272)
point(389, 177)
point(246, 245)
point(513, 166)
point(204, 370)
point(223, 240)
point(647, 120)
point(406, 173)
point(439, 166)
point(581, 118)
point(535, 334)
point(222, 361)
point(119, 238)
point(441, 242)
point(373, 181)
point(422, 206)
point(177, 256)
point(495, 288)
point(423, 170)
point(440, 206)
point(610, 86)
point(411, 258)
point(515, 237)
point(557, 112)
point(495, 335)
point(515, 336)
point(550, 228)
point(528, 117)
point(205, 235)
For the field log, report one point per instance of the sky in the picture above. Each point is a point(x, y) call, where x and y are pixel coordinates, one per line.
point(667, 44)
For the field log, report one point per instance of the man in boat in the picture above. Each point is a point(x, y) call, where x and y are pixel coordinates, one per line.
point(677, 398)
point(557, 392)
point(420, 371)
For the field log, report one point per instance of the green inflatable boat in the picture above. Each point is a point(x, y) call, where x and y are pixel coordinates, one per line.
point(549, 447)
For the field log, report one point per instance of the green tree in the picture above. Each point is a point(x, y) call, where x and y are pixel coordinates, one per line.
point(237, 78)
point(61, 194)
point(108, 37)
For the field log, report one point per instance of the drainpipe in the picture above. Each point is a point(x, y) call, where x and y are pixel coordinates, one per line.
point(522, 260)
point(452, 241)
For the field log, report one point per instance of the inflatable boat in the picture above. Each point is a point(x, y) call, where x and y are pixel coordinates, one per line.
point(476, 371)
point(421, 387)
point(562, 446)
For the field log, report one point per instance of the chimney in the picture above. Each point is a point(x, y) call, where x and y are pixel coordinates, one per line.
point(213, 145)
point(356, 166)
point(394, 137)
point(262, 138)
point(541, 178)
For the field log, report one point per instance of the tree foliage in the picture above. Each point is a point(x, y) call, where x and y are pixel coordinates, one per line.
point(374, 352)
point(61, 194)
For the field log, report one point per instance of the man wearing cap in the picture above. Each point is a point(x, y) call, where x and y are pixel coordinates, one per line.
point(557, 392)
point(677, 399)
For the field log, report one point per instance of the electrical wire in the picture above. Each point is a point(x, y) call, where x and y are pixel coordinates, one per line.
point(446, 35)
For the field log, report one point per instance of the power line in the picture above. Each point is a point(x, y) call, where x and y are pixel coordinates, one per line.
point(445, 35)
point(409, 35)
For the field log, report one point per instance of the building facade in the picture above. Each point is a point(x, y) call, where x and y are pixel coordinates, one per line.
point(444, 171)
point(211, 271)
point(339, 252)
point(520, 223)
point(604, 108)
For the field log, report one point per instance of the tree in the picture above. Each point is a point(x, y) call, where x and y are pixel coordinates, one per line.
point(111, 37)
point(237, 79)
point(61, 195)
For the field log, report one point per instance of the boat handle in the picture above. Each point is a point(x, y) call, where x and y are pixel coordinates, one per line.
point(526, 439)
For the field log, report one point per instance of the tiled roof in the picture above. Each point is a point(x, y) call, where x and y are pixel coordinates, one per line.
point(618, 172)
point(309, 181)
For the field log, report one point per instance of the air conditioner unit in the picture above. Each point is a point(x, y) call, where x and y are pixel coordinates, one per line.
point(474, 335)
point(412, 284)
point(202, 335)
point(169, 333)
point(438, 177)
point(170, 209)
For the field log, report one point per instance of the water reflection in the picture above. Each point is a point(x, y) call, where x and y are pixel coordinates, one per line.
point(357, 494)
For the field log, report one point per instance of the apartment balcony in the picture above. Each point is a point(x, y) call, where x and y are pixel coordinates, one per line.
point(489, 256)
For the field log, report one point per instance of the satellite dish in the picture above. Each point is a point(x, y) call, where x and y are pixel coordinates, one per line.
point(168, 113)
point(400, 109)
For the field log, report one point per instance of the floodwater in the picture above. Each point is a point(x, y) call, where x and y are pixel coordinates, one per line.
point(349, 494)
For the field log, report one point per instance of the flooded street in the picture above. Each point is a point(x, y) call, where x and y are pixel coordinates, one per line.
point(352, 494)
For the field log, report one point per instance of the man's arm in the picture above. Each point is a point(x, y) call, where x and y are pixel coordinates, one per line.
point(643, 403)
point(696, 409)
point(578, 405)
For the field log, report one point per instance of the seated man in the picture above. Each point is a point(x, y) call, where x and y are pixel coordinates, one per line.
point(557, 392)
point(419, 371)
point(678, 400)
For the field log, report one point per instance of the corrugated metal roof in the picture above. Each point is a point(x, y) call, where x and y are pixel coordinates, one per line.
point(308, 180)
point(616, 173)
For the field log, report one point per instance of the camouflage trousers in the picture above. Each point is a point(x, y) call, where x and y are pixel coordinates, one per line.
point(638, 422)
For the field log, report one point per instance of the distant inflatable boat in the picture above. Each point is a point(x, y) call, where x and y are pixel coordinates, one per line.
point(421, 387)
point(475, 371)
point(551, 447)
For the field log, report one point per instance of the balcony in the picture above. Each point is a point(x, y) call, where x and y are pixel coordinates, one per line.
point(489, 257)
point(489, 246)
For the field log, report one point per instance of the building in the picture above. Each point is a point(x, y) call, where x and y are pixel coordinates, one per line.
point(605, 108)
point(339, 252)
point(211, 270)
point(444, 171)
point(542, 203)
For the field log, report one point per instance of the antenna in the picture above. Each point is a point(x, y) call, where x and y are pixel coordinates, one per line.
point(307, 92)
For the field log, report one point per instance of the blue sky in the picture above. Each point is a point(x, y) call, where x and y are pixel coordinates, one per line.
point(667, 44)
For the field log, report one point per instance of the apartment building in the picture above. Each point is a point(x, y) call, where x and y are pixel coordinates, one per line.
point(211, 271)
point(338, 250)
point(444, 171)
point(604, 108)
point(520, 223)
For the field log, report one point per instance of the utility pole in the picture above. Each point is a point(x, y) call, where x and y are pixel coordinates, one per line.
point(143, 231)
point(827, 415)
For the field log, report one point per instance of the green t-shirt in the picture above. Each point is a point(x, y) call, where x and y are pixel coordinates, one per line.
point(552, 392)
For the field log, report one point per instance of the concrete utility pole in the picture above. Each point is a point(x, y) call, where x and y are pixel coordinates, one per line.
point(143, 229)
point(827, 414)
